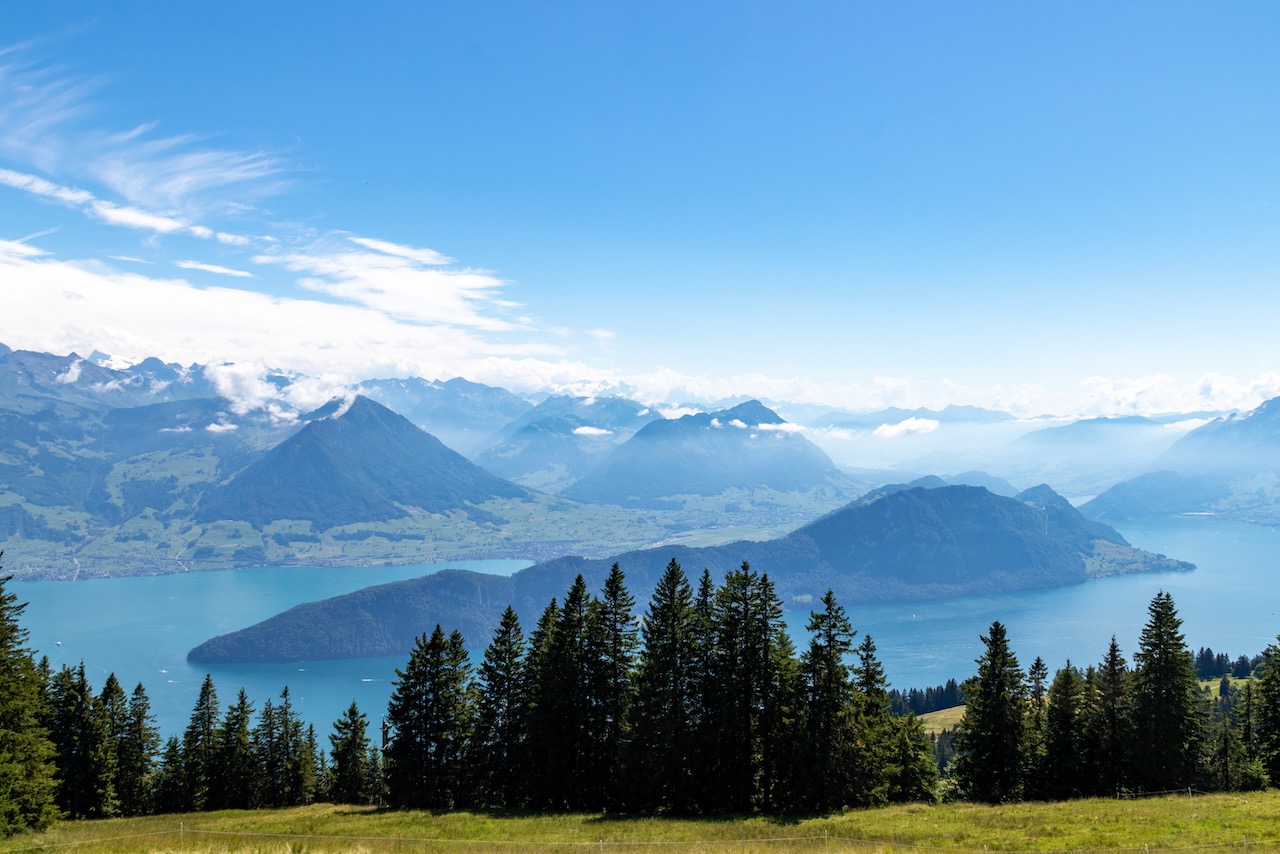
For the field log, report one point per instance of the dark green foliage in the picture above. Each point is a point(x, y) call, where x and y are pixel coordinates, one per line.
point(430, 715)
point(352, 772)
point(1268, 711)
point(1063, 767)
point(1167, 716)
point(665, 712)
point(832, 725)
point(200, 749)
point(238, 770)
point(911, 769)
point(136, 756)
point(499, 747)
point(756, 701)
point(989, 759)
point(613, 639)
point(80, 730)
point(26, 753)
point(1108, 722)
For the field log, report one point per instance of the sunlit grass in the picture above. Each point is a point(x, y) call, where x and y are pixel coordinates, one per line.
point(1242, 822)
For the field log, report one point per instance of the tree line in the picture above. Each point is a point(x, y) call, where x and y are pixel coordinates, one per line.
point(701, 705)
point(1115, 729)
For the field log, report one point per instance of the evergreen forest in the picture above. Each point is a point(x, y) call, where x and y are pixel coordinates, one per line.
point(700, 705)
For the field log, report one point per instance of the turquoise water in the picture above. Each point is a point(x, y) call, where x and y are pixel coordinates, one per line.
point(141, 628)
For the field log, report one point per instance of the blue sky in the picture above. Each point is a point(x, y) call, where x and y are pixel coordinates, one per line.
point(1052, 207)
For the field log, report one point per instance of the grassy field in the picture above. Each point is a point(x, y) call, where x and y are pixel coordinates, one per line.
point(1174, 823)
point(936, 722)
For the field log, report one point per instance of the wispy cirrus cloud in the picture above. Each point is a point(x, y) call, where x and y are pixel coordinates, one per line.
point(405, 283)
point(213, 268)
point(45, 118)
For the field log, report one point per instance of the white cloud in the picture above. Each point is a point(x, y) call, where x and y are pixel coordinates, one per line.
point(784, 427)
point(213, 268)
point(602, 335)
point(71, 374)
point(396, 285)
point(221, 427)
point(43, 122)
point(40, 187)
point(131, 217)
point(715, 423)
point(232, 239)
point(429, 257)
point(909, 427)
point(591, 431)
point(738, 423)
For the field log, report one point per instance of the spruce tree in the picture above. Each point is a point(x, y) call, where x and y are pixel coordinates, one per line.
point(611, 662)
point(136, 756)
point(350, 774)
point(1064, 753)
point(988, 761)
point(1268, 711)
point(664, 714)
point(85, 756)
point(1108, 726)
point(200, 748)
point(27, 784)
point(430, 714)
point(236, 763)
point(498, 748)
point(911, 771)
point(1168, 720)
point(872, 769)
point(831, 736)
point(757, 676)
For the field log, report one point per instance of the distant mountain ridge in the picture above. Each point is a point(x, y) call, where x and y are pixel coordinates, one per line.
point(913, 544)
point(705, 454)
point(367, 464)
point(1230, 466)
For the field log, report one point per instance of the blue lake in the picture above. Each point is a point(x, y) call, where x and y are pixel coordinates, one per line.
point(141, 628)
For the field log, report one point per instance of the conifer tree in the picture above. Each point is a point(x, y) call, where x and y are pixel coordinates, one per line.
point(753, 666)
point(430, 714)
point(830, 728)
point(1168, 721)
point(169, 794)
point(27, 784)
point(988, 761)
point(85, 756)
point(136, 756)
point(498, 748)
point(1064, 754)
point(236, 763)
point(1268, 711)
point(1108, 725)
point(1033, 737)
point(705, 695)
point(664, 714)
point(540, 706)
point(613, 639)
point(911, 772)
point(350, 774)
point(200, 748)
point(873, 766)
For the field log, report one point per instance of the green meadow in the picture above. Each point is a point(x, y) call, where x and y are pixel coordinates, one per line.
point(1245, 822)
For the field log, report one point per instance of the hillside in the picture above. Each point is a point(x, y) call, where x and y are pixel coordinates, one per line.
point(1228, 467)
point(913, 544)
point(368, 464)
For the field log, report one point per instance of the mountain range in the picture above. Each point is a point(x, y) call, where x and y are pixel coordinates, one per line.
point(911, 544)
